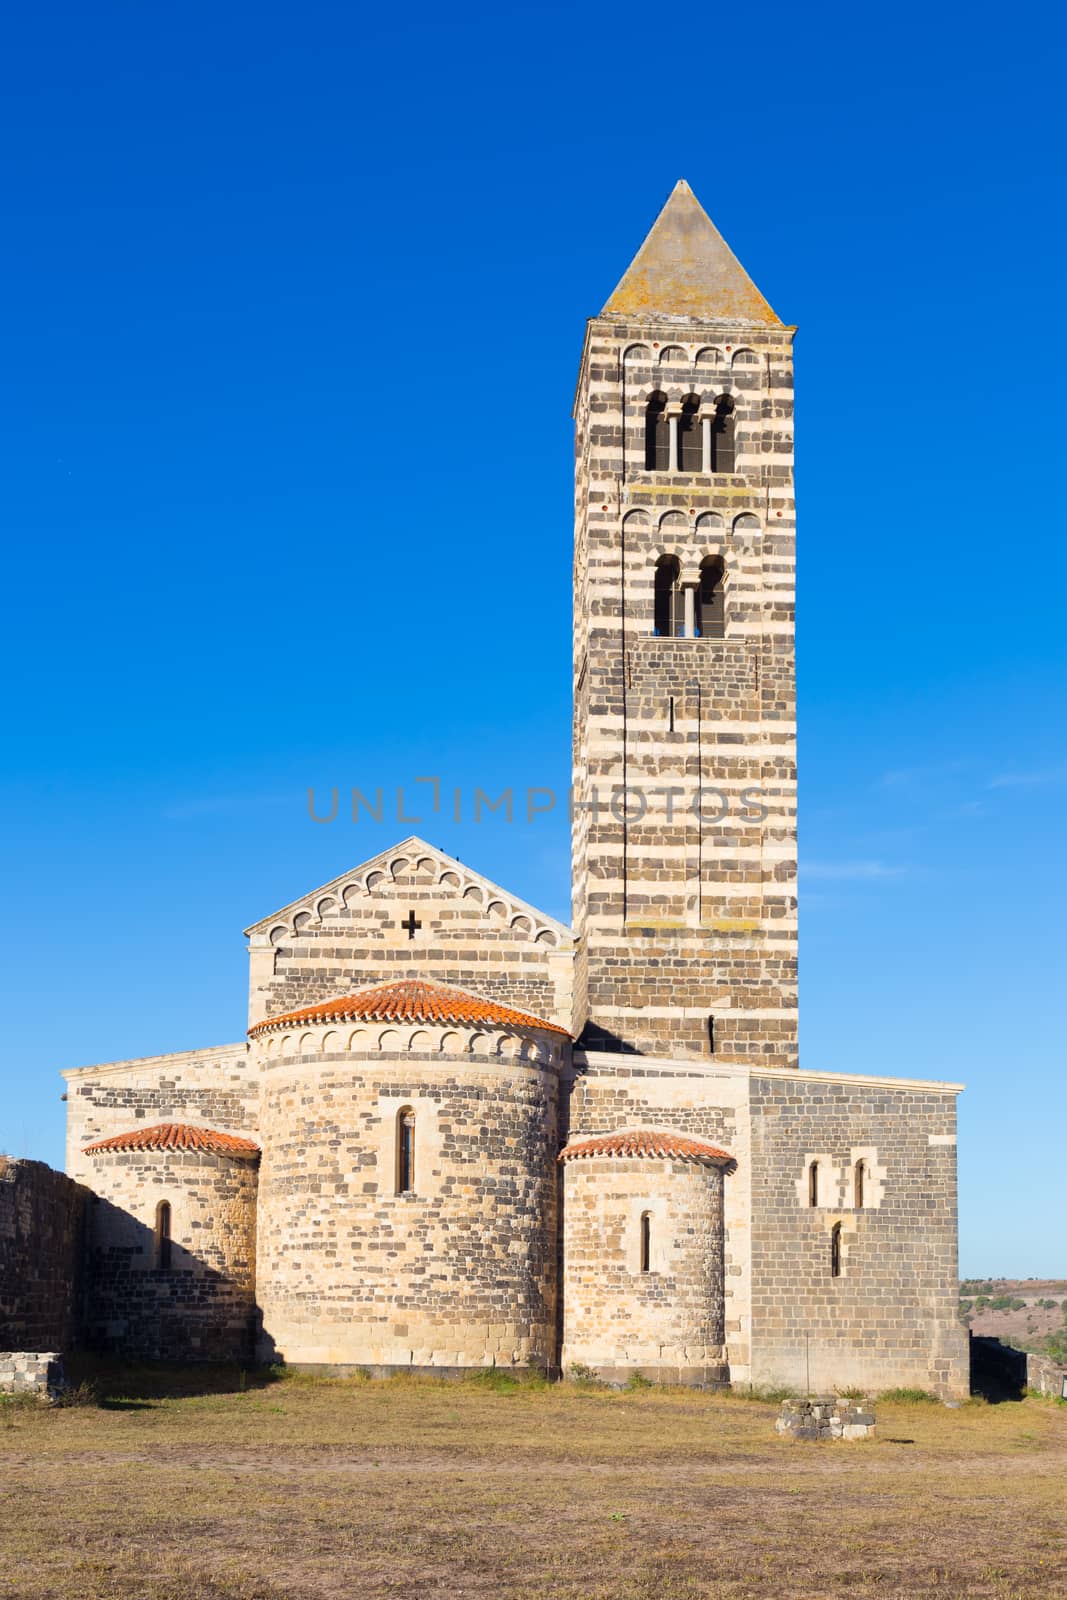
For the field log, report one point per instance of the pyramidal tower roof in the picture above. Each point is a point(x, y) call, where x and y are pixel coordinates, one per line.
point(685, 268)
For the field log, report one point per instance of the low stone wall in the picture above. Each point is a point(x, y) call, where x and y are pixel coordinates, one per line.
point(1045, 1375)
point(42, 1220)
point(826, 1419)
point(31, 1372)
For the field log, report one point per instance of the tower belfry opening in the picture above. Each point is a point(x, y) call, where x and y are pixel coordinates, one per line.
point(686, 518)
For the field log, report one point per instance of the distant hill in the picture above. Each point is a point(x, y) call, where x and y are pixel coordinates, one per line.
point(1030, 1313)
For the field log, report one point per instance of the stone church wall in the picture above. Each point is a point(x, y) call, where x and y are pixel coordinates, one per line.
point(461, 931)
point(611, 1093)
point(890, 1319)
point(42, 1244)
point(211, 1088)
point(458, 1272)
point(666, 1322)
point(202, 1306)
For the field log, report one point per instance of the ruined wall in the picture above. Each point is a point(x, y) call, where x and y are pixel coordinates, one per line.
point(42, 1217)
point(202, 1306)
point(458, 1272)
point(36, 1372)
point(688, 906)
point(890, 1318)
point(1045, 1375)
point(358, 932)
point(666, 1322)
point(216, 1087)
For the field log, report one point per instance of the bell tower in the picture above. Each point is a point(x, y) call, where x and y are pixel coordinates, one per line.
point(684, 834)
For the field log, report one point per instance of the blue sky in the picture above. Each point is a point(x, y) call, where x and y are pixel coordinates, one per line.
point(253, 546)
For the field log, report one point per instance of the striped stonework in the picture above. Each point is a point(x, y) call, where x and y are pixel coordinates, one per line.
point(685, 747)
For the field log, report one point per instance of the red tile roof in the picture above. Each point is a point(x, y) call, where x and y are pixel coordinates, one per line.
point(643, 1143)
point(409, 1000)
point(176, 1136)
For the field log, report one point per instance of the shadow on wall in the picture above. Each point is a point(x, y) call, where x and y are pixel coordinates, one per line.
point(594, 1037)
point(998, 1372)
point(129, 1385)
point(42, 1255)
point(149, 1304)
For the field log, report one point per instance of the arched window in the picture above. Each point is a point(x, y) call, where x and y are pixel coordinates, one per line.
point(835, 1250)
point(162, 1240)
point(860, 1184)
point(711, 599)
point(690, 436)
point(669, 618)
point(657, 435)
point(813, 1184)
point(722, 435)
point(646, 1241)
point(405, 1150)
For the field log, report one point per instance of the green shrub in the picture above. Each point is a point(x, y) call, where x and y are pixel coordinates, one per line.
point(910, 1396)
point(578, 1372)
point(86, 1393)
point(637, 1380)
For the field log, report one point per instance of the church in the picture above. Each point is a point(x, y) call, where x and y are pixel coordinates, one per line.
point(460, 1134)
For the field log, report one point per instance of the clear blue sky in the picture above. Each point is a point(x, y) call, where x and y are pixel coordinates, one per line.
point(255, 543)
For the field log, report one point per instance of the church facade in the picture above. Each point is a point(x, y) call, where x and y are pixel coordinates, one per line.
point(462, 1134)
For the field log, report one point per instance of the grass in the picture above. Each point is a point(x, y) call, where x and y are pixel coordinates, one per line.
point(188, 1486)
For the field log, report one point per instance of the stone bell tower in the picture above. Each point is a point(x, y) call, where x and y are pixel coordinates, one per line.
point(684, 842)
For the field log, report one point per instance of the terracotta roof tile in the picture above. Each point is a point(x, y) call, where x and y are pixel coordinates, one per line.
point(176, 1136)
point(640, 1142)
point(409, 1000)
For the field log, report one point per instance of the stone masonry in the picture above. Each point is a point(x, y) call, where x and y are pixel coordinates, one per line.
point(42, 1253)
point(24, 1372)
point(684, 747)
point(433, 1065)
point(826, 1418)
point(200, 1304)
point(460, 1270)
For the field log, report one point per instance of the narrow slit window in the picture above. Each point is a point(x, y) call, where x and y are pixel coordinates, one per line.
point(657, 435)
point(722, 436)
point(835, 1250)
point(163, 1236)
point(646, 1241)
point(813, 1184)
point(691, 437)
point(860, 1184)
point(405, 1151)
point(669, 605)
point(711, 599)
point(670, 713)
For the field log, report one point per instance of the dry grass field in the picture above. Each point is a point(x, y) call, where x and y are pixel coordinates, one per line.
point(317, 1490)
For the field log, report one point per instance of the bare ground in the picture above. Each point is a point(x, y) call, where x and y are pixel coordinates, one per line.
point(318, 1490)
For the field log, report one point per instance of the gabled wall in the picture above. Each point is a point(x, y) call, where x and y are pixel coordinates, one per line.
point(350, 935)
